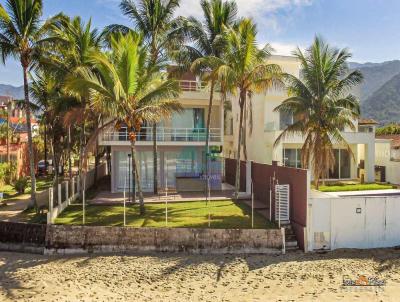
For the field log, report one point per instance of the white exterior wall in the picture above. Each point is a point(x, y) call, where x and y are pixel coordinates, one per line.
point(383, 158)
point(353, 222)
point(260, 140)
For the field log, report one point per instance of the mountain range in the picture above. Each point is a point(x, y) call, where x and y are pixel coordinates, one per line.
point(379, 93)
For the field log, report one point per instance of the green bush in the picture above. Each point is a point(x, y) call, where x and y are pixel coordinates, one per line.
point(8, 173)
point(21, 184)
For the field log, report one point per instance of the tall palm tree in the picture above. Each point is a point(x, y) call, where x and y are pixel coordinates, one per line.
point(244, 70)
point(78, 40)
point(207, 38)
point(322, 102)
point(161, 30)
point(22, 36)
point(127, 89)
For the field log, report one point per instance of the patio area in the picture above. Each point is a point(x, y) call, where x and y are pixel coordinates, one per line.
point(108, 198)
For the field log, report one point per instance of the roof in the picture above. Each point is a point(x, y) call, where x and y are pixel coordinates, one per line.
point(367, 121)
point(395, 138)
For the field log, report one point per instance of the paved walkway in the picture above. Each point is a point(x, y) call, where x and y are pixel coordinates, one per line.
point(14, 207)
point(108, 198)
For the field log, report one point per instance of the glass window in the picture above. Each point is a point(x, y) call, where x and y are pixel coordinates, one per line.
point(292, 158)
point(345, 163)
point(285, 120)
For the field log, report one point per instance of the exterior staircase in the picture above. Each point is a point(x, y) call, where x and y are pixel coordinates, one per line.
point(290, 237)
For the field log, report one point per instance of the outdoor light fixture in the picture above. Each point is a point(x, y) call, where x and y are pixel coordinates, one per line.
point(358, 210)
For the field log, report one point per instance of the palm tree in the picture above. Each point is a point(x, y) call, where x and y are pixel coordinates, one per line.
point(23, 36)
point(208, 43)
point(127, 89)
point(78, 40)
point(244, 70)
point(321, 101)
point(161, 31)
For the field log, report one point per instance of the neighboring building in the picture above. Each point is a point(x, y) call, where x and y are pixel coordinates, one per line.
point(387, 150)
point(181, 145)
point(17, 132)
point(263, 127)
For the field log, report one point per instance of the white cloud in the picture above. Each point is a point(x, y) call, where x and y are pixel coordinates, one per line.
point(284, 49)
point(260, 10)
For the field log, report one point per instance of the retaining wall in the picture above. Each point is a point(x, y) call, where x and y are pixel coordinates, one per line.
point(22, 237)
point(62, 239)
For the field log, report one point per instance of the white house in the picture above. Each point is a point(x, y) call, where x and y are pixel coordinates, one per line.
point(263, 127)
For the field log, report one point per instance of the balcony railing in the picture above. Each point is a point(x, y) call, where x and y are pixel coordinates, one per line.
point(192, 85)
point(165, 135)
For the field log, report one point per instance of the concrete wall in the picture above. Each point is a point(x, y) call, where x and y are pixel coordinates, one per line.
point(230, 173)
point(354, 222)
point(299, 182)
point(68, 239)
point(22, 237)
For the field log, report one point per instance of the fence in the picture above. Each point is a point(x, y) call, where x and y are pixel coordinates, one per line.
point(354, 222)
point(62, 195)
point(264, 178)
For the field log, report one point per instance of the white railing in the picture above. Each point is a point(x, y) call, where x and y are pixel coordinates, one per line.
point(192, 85)
point(165, 135)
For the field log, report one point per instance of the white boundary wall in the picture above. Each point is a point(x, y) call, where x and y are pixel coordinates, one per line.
point(64, 198)
point(353, 222)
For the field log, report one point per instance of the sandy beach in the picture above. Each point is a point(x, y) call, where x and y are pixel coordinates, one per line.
point(181, 277)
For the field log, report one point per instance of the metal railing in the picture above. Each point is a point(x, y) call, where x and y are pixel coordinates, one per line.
point(192, 85)
point(165, 135)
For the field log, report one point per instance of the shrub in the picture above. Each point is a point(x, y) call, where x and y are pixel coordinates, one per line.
point(21, 184)
point(8, 173)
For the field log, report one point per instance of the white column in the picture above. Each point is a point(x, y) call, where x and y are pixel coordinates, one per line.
point(59, 194)
point(50, 213)
point(222, 121)
point(369, 162)
point(66, 192)
point(73, 187)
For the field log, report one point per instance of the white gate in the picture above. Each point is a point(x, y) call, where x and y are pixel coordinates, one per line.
point(282, 204)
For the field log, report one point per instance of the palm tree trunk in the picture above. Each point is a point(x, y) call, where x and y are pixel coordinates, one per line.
point(8, 131)
point(245, 132)
point(137, 178)
point(45, 144)
point(239, 144)
point(208, 133)
point(69, 153)
point(81, 153)
point(32, 203)
point(155, 163)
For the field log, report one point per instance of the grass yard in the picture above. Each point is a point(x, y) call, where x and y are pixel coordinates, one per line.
point(224, 214)
point(354, 187)
point(41, 184)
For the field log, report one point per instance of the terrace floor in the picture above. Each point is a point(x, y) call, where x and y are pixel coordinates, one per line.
point(108, 198)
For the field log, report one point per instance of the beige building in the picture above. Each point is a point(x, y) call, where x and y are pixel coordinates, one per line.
point(264, 125)
point(181, 145)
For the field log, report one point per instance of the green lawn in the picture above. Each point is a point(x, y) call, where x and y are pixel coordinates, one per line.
point(224, 214)
point(354, 187)
point(41, 184)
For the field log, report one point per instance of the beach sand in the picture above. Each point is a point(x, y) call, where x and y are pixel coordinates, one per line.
point(182, 277)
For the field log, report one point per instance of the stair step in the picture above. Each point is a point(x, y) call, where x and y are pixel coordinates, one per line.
point(291, 243)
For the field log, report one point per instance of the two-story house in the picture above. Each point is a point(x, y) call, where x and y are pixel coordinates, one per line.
point(263, 126)
point(180, 141)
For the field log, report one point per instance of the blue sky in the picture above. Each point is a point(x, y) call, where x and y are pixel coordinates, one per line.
point(370, 28)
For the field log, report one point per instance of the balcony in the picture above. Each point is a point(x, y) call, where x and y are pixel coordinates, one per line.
point(168, 136)
point(193, 86)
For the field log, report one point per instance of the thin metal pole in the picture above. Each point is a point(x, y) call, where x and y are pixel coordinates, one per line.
point(166, 197)
point(129, 177)
point(83, 199)
point(125, 201)
point(252, 204)
point(270, 198)
point(208, 201)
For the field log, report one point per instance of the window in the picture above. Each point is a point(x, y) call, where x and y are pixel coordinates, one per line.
point(292, 158)
point(285, 120)
point(189, 118)
point(342, 168)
